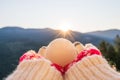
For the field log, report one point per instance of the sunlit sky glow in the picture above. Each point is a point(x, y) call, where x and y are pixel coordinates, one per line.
point(79, 15)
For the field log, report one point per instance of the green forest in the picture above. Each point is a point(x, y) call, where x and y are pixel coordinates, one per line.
point(111, 52)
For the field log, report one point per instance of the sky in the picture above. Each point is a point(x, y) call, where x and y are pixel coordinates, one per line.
point(78, 15)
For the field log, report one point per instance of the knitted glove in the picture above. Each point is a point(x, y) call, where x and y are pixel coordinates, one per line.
point(31, 68)
point(90, 65)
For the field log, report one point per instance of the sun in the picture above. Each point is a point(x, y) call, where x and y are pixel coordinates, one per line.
point(64, 29)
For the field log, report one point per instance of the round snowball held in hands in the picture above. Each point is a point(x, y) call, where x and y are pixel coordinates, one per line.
point(61, 52)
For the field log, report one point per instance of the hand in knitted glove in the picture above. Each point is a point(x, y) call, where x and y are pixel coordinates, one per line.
point(90, 65)
point(34, 67)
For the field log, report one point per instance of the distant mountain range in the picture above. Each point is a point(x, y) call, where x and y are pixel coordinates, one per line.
point(111, 34)
point(46, 35)
point(14, 41)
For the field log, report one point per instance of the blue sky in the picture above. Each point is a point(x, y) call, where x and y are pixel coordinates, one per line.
point(79, 15)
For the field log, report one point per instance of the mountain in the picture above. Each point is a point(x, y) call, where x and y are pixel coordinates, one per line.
point(46, 35)
point(14, 41)
point(111, 34)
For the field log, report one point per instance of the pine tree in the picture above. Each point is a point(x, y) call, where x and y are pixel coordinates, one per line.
point(117, 48)
point(111, 54)
point(117, 44)
point(103, 46)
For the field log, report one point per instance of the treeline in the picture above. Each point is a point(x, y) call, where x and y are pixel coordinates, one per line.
point(111, 52)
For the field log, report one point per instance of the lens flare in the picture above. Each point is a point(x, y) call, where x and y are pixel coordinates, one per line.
point(66, 32)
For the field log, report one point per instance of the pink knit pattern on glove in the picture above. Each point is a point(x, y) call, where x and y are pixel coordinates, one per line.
point(29, 56)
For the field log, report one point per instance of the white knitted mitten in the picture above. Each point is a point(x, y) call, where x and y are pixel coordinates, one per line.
point(35, 69)
point(93, 67)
